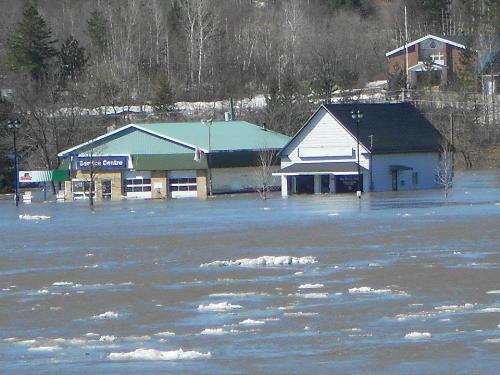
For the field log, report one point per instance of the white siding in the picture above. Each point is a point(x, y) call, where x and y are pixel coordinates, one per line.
point(422, 163)
point(227, 180)
point(324, 132)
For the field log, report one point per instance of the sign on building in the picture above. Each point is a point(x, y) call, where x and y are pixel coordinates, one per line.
point(101, 162)
point(43, 176)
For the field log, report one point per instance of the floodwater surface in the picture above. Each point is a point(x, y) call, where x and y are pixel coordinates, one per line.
point(393, 283)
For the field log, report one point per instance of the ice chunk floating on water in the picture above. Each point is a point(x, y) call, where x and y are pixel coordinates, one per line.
point(33, 217)
point(311, 286)
point(417, 335)
point(158, 355)
point(267, 260)
point(213, 331)
point(251, 322)
point(221, 306)
point(107, 315)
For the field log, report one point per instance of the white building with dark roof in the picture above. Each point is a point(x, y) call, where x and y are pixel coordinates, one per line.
point(399, 149)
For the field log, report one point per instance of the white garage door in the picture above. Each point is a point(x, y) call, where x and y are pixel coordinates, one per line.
point(137, 184)
point(182, 184)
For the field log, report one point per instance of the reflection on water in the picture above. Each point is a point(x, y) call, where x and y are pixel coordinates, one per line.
point(394, 283)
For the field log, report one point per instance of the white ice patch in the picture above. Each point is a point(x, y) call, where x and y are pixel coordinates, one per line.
point(300, 313)
point(91, 334)
point(107, 315)
point(242, 294)
point(62, 283)
point(454, 308)
point(267, 260)
point(490, 309)
point(221, 306)
point(311, 286)
point(137, 338)
point(251, 322)
point(165, 334)
point(312, 295)
point(370, 290)
point(33, 217)
point(213, 331)
point(157, 355)
point(107, 338)
point(492, 341)
point(418, 335)
point(44, 348)
point(493, 292)
point(43, 291)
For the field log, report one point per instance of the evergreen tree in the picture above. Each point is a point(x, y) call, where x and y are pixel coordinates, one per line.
point(73, 59)
point(164, 98)
point(97, 28)
point(30, 47)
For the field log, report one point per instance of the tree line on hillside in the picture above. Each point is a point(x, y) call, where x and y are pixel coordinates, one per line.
point(61, 56)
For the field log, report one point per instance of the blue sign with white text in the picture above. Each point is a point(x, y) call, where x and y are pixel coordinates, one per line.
point(101, 162)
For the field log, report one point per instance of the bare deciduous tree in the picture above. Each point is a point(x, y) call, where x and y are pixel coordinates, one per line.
point(445, 169)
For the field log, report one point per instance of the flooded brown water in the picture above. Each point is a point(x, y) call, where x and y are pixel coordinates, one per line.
point(395, 283)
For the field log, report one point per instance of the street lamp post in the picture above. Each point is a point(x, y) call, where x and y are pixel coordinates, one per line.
point(208, 123)
point(357, 115)
point(14, 125)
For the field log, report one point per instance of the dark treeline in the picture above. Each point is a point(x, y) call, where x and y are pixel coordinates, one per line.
point(59, 56)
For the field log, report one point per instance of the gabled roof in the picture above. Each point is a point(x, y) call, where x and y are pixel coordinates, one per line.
point(395, 127)
point(225, 136)
point(454, 40)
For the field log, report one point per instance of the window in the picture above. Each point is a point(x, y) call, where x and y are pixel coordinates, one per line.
point(137, 185)
point(182, 184)
point(415, 178)
point(81, 189)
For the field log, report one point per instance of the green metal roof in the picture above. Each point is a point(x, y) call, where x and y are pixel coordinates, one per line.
point(181, 138)
point(134, 141)
point(225, 135)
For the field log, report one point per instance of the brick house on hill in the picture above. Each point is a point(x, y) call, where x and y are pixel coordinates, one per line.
point(439, 54)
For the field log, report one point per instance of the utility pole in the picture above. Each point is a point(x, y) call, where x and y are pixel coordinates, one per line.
point(14, 125)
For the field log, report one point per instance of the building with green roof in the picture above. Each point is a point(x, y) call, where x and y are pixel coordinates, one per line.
point(170, 160)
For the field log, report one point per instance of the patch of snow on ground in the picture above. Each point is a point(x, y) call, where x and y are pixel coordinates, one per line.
point(417, 335)
point(267, 260)
point(157, 355)
point(221, 306)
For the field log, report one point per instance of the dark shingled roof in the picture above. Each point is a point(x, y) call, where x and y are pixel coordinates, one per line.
point(396, 127)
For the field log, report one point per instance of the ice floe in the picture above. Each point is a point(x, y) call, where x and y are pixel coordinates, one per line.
point(221, 306)
point(490, 309)
point(251, 322)
point(213, 331)
point(107, 315)
point(165, 334)
point(44, 348)
point(300, 313)
point(454, 308)
point(107, 338)
point(33, 217)
point(493, 292)
point(312, 295)
point(62, 283)
point(267, 260)
point(157, 355)
point(417, 335)
point(370, 290)
point(492, 341)
point(236, 294)
point(311, 286)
